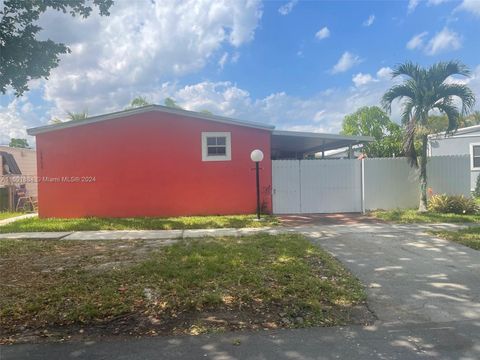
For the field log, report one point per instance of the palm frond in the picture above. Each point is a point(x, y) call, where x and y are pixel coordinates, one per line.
point(408, 107)
point(440, 71)
point(452, 114)
point(460, 91)
point(408, 69)
point(397, 92)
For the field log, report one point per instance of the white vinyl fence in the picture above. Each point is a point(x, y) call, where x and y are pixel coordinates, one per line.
point(329, 186)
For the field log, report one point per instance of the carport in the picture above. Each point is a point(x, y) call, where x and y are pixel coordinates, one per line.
point(295, 145)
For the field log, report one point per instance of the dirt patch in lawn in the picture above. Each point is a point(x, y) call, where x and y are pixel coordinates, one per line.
point(60, 290)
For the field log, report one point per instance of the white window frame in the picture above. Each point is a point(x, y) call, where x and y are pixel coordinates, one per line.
point(472, 167)
point(228, 146)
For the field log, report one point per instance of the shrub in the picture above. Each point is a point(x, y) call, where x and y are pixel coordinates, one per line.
point(456, 204)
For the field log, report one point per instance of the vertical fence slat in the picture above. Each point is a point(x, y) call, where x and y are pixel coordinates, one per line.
point(449, 174)
point(390, 184)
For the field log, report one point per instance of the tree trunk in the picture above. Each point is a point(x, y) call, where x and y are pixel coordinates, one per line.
point(423, 175)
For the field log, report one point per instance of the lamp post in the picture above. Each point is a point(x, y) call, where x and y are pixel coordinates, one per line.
point(257, 156)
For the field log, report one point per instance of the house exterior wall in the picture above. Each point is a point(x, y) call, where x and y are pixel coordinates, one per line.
point(27, 162)
point(149, 164)
point(456, 145)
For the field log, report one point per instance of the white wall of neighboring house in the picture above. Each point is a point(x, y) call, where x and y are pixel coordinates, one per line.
point(341, 153)
point(461, 142)
point(27, 162)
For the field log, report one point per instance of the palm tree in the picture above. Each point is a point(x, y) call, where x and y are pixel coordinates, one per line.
point(424, 90)
point(139, 101)
point(77, 116)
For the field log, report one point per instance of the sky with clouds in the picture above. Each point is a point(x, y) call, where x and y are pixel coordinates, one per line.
point(295, 64)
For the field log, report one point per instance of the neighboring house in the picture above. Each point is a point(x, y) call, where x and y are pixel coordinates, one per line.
point(343, 153)
point(464, 141)
point(26, 161)
point(159, 161)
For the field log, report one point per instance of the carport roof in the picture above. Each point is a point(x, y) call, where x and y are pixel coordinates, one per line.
point(301, 143)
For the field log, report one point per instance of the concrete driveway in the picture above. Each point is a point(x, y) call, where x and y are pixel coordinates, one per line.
point(410, 276)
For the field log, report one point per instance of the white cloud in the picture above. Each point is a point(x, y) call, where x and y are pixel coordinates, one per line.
point(436, 2)
point(323, 33)
point(417, 41)
point(361, 79)
point(444, 40)
point(223, 60)
point(15, 118)
point(472, 6)
point(346, 62)
point(385, 73)
point(285, 9)
point(369, 21)
point(139, 45)
point(235, 57)
point(412, 5)
point(11, 124)
point(321, 112)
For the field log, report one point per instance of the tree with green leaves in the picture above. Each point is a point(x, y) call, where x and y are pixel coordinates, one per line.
point(438, 123)
point(22, 56)
point(19, 143)
point(373, 121)
point(422, 91)
point(169, 102)
point(471, 120)
point(139, 101)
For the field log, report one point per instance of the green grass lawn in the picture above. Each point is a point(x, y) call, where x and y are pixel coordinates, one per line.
point(469, 237)
point(194, 286)
point(9, 214)
point(188, 222)
point(413, 216)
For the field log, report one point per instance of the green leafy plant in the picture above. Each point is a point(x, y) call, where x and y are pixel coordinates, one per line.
point(455, 204)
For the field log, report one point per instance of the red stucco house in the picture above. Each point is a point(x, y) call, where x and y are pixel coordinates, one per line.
point(159, 161)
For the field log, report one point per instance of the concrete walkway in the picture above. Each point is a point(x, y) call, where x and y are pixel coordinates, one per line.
point(425, 292)
point(308, 230)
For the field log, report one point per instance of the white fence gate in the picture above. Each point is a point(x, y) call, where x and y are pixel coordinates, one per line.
point(329, 186)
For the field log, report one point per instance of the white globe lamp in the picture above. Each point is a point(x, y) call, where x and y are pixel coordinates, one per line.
point(256, 155)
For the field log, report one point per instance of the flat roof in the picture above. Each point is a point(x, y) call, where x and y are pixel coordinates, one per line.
point(145, 109)
point(310, 142)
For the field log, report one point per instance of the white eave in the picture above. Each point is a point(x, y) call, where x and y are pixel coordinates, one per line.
point(145, 109)
point(458, 132)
